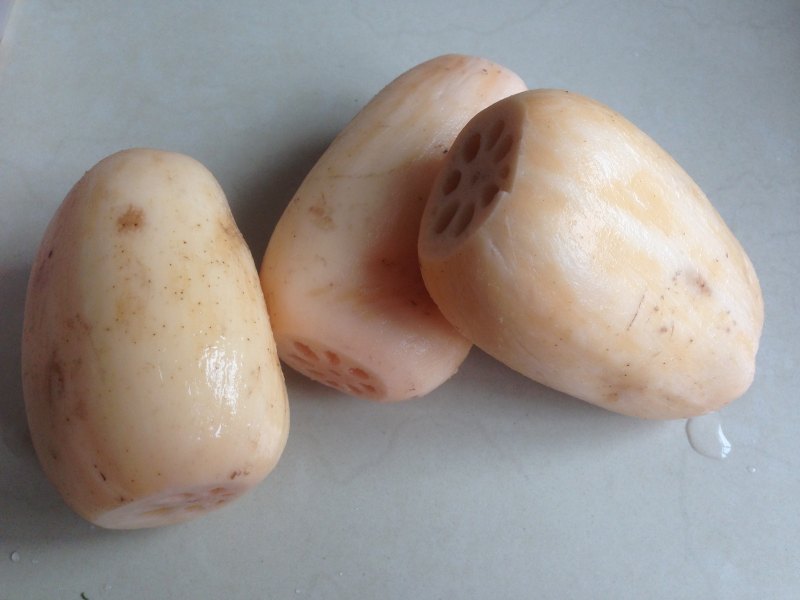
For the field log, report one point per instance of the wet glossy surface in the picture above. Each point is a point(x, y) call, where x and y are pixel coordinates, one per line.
point(138, 383)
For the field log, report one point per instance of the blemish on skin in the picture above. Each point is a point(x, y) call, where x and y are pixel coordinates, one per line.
point(702, 285)
point(229, 229)
point(321, 214)
point(56, 381)
point(79, 323)
point(695, 280)
point(131, 220)
point(636, 314)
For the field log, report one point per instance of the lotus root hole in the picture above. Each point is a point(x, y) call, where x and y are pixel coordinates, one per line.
point(451, 183)
point(494, 134)
point(489, 194)
point(463, 219)
point(471, 147)
point(504, 148)
point(445, 217)
point(360, 373)
point(307, 352)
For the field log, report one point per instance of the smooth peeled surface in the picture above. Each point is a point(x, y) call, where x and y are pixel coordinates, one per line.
point(151, 378)
point(562, 240)
point(340, 274)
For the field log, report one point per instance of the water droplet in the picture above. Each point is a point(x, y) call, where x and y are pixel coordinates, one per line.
point(35, 561)
point(297, 591)
point(107, 587)
point(341, 573)
point(706, 436)
point(751, 469)
point(14, 556)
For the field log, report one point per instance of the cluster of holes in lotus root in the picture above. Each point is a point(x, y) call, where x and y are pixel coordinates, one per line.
point(192, 502)
point(331, 368)
point(478, 173)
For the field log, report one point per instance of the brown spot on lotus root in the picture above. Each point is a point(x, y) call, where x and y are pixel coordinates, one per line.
point(321, 214)
point(56, 381)
point(701, 284)
point(131, 220)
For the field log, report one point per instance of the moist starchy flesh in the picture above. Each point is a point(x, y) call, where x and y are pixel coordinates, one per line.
point(565, 242)
point(151, 379)
point(340, 274)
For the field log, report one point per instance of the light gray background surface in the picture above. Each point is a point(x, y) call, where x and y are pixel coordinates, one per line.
point(493, 486)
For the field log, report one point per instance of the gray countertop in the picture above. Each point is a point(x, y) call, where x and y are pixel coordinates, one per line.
point(492, 486)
